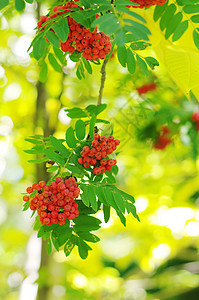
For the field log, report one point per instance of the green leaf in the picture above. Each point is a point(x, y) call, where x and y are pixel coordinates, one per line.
point(86, 220)
point(131, 13)
point(131, 208)
point(89, 237)
point(57, 144)
point(61, 29)
point(75, 170)
point(70, 138)
point(131, 64)
point(142, 65)
point(43, 230)
point(37, 223)
point(122, 55)
point(52, 38)
point(100, 194)
point(158, 11)
point(19, 5)
point(168, 14)
point(63, 236)
point(54, 156)
point(69, 247)
point(92, 198)
point(38, 161)
point(82, 248)
point(122, 218)
point(109, 198)
point(80, 129)
point(39, 48)
point(174, 22)
point(79, 73)
point(152, 62)
point(4, 3)
point(85, 199)
point(119, 201)
point(95, 109)
point(60, 56)
point(26, 205)
point(49, 247)
point(179, 31)
point(196, 37)
point(87, 65)
point(89, 193)
point(195, 19)
point(33, 141)
point(75, 113)
point(138, 26)
point(55, 243)
point(141, 35)
point(54, 63)
point(92, 126)
point(140, 45)
point(43, 73)
point(106, 211)
point(34, 151)
point(29, 1)
point(191, 9)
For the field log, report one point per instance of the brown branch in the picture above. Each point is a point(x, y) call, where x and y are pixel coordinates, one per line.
point(103, 78)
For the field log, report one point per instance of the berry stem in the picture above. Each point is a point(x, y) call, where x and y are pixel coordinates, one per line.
point(103, 78)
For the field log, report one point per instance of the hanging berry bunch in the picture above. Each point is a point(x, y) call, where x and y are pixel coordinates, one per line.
point(77, 189)
point(97, 154)
point(92, 45)
point(195, 119)
point(148, 3)
point(54, 202)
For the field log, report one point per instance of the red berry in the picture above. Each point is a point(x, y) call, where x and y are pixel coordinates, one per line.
point(96, 136)
point(80, 161)
point(25, 198)
point(29, 190)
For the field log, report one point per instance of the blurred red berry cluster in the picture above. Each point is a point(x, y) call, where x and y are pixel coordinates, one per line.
point(163, 139)
point(147, 3)
point(96, 155)
point(54, 202)
point(195, 118)
point(93, 45)
point(146, 88)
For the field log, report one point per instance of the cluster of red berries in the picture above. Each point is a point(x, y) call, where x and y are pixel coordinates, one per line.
point(146, 88)
point(93, 45)
point(54, 202)
point(96, 154)
point(163, 140)
point(195, 118)
point(147, 3)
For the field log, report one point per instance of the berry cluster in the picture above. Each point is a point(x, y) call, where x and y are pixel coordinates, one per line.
point(146, 88)
point(96, 154)
point(195, 118)
point(93, 45)
point(147, 3)
point(163, 140)
point(54, 202)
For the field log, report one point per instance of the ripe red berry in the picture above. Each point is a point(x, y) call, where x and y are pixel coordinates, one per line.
point(25, 198)
point(96, 136)
point(29, 190)
point(80, 161)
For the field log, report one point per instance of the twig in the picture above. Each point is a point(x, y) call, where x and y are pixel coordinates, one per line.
point(103, 78)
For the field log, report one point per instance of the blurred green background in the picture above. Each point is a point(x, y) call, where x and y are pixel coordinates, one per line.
point(154, 259)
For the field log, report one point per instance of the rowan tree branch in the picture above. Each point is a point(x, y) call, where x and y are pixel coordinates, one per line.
point(103, 78)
